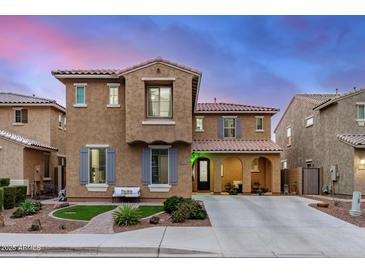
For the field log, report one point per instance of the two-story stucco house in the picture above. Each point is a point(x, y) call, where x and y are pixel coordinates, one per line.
point(326, 131)
point(32, 141)
point(142, 126)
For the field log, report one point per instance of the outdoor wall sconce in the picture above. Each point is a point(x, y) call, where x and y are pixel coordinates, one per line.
point(221, 170)
point(362, 164)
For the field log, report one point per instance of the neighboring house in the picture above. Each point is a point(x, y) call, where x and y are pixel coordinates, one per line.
point(142, 126)
point(326, 131)
point(32, 141)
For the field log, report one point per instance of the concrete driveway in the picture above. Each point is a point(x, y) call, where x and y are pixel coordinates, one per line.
point(279, 226)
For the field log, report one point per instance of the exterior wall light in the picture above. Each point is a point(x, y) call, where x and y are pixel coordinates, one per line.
point(362, 164)
point(221, 170)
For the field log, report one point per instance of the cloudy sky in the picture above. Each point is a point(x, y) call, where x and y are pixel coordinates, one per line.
point(261, 60)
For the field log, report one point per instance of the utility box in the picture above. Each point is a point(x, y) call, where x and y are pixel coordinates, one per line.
point(334, 173)
point(356, 204)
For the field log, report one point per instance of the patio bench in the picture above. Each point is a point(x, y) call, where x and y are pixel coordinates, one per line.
point(126, 192)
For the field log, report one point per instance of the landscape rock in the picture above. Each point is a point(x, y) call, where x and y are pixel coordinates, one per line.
point(36, 225)
point(323, 204)
point(2, 220)
point(154, 220)
point(60, 205)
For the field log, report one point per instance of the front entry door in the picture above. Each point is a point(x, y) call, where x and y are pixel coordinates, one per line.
point(203, 174)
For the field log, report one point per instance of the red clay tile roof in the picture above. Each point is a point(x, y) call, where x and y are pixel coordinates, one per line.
point(352, 139)
point(117, 72)
point(24, 141)
point(235, 145)
point(227, 107)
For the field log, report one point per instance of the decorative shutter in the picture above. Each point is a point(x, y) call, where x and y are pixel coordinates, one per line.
point(220, 127)
point(146, 166)
point(173, 169)
point(84, 166)
point(24, 116)
point(238, 127)
point(110, 165)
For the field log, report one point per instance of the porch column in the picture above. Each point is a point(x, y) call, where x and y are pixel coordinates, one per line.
point(275, 169)
point(246, 169)
point(217, 175)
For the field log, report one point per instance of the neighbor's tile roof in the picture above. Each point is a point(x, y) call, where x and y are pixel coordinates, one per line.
point(14, 98)
point(24, 141)
point(235, 145)
point(317, 98)
point(352, 139)
point(227, 107)
point(116, 72)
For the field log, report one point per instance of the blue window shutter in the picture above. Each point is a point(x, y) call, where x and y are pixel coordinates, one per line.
point(84, 165)
point(238, 127)
point(220, 127)
point(110, 165)
point(146, 166)
point(173, 169)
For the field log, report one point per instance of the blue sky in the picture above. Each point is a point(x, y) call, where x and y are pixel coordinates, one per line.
point(260, 60)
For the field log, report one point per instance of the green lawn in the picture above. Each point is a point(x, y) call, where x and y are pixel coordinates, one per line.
point(87, 212)
point(82, 212)
point(148, 210)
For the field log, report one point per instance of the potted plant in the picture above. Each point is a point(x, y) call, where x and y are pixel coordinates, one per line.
point(228, 187)
point(263, 190)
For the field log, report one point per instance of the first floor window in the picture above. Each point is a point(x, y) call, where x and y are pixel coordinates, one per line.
point(97, 165)
point(259, 123)
point(160, 166)
point(360, 110)
point(199, 124)
point(113, 95)
point(80, 95)
point(21, 116)
point(46, 165)
point(229, 127)
point(159, 102)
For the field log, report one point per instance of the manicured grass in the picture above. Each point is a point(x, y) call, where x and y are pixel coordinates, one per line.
point(148, 210)
point(82, 212)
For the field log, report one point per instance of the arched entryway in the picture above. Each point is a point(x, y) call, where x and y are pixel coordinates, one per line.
point(231, 172)
point(261, 174)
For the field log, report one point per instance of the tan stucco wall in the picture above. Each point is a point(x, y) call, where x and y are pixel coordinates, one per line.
point(232, 170)
point(248, 126)
point(136, 106)
point(11, 160)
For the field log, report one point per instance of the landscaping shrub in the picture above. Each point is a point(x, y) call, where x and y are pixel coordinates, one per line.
point(263, 190)
point(228, 186)
point(126, 215)
point(18, 213)
point(188, 209)
point(20, 194)
point(4, 181)
point(9, 197)
point(170, 205)
point(1, 199)
point(29, 207)
point(181, 213)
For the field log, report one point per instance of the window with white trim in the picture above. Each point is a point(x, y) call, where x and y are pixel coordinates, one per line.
point(60, 120)
point(159, 102)
point(160, 166)
point(288, 136)
point(360, 111)
point(199, 124)
point(21, 116)
point(284, 164)
point(259, 123)
point(113, 95)
point(229, 127)
point(309, 121)
point(64, 121)
point(80, 94)
point(97, 165)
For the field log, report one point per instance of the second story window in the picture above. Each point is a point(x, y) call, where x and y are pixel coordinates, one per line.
point(21, 116)
point(80, 98)
point(360, 113)
point(309, 121)
point(159, 102)
point(259, 123)
point(113, 94)
point(229, 127)
point(60, 120)
point(64, 122)
point(288, 136)
point(199, 124)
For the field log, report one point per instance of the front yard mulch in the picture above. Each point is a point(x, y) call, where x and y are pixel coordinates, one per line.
point(341, 211)
point(49, 224)
point(164, 221)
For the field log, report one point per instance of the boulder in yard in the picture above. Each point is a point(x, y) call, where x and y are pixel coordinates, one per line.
point(36, 226)
point(60, 205)
point(2, 220)
point(154, 220)
point(323, 204)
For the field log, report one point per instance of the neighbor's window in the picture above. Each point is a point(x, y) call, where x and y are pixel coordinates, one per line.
point(46, 165)
point(360, 112)
point(97, 165)
point(259, 123)
point(113, 95)
point(64, 122)
point(80, 95)
point(229, 127)
point(309, 163)
point(21, 116)
point(160, 166)
point(59, 120)
point(288, 136)
point(255, 165)
point(284, 164)
point(309, 121)
point(159, 102)
point(199, 124)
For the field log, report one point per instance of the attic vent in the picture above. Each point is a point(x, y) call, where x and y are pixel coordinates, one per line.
point(158, 70)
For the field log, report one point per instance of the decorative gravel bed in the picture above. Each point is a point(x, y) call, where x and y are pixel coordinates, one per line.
point(340, 211)
point(49, 224)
